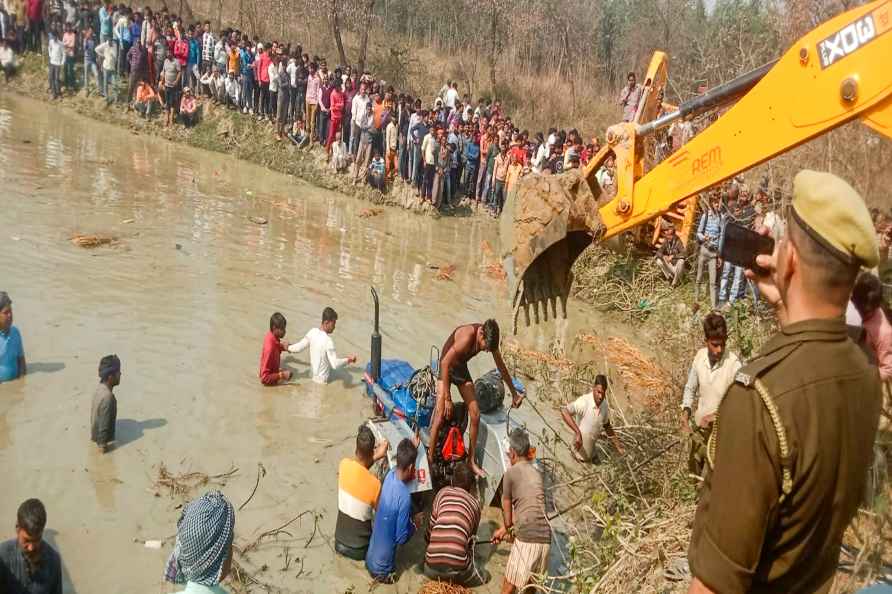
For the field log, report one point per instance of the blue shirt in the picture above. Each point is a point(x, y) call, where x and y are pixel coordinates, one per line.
point(393, 525)
point(377, 166)
point(105, 22)
point(246, 58)
point(90, 50)
point(194, 51)
point(10, 351)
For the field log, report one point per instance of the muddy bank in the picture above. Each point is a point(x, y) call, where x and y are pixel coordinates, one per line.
point(230, 132)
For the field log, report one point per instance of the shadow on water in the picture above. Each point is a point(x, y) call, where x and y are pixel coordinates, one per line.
point(129, 430)
point(49, 535)
point(44, 367)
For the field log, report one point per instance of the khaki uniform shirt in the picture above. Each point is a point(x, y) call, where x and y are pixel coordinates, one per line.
point(828, 399)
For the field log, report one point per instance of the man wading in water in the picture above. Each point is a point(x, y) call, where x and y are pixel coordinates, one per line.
point(465, 343)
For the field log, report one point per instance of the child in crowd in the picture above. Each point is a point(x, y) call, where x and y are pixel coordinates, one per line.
point(376, 172)
point(270, 358)
point(188, 108)
point(340, 157)
point(299, 134)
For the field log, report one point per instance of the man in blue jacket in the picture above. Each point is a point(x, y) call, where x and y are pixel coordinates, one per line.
point(393, 521)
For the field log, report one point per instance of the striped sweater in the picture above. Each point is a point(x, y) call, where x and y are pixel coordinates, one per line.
point(453, 523)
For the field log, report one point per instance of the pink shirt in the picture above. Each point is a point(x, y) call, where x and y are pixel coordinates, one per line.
point(879, 337)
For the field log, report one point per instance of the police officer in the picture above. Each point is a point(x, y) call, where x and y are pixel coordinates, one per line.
point(795, 431)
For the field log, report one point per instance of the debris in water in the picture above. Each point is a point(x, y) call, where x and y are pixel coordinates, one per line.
point(182, 484)
point(92, 241)
point(127, 221)
point(486, 248)
point(370, 212)
point(153, 544)
point(496, 271)
point(445, 272)
point(258, 220)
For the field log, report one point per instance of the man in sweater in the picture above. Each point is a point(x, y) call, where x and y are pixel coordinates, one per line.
point(104, 411)
point(712, 372)
point(455, 516)
point(323, 356)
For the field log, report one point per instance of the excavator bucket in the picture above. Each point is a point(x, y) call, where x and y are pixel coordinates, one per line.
point(548, 220)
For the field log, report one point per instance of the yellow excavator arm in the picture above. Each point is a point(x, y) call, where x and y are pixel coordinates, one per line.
point(840, 71)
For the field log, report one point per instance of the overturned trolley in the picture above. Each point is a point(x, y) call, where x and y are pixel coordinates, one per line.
point(404, 399)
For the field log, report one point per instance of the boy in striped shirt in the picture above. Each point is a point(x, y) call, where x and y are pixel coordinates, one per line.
point(453, 525)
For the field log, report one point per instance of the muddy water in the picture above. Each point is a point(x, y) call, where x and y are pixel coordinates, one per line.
point(184, 297)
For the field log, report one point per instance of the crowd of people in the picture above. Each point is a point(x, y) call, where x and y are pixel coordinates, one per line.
point(449, 148)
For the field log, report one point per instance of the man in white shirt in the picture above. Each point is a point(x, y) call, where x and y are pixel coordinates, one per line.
point(323, 357)
point(56, 52)
point(451, 96)
point(588, 416)
point(711, 374)
point(357, 111)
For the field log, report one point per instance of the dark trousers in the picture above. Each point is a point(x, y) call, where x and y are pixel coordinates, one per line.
point(322, 129)
point(55, 88)
point(296, 109)
point(273, 103)
point(263, 108)
point(69, 72)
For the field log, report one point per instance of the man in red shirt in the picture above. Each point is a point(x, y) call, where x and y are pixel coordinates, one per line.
point(270, 374)
point(336, 107)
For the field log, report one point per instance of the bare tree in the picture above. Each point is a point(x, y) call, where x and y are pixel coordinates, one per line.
point(334, 20)
point(364, 39)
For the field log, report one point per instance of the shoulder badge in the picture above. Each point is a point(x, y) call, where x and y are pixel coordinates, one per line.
point(743, 378)
point(759, 366)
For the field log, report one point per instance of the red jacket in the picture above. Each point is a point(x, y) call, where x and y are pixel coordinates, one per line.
point(263, 67)
point(270, 359)
point(336, 105)
point(181, 51)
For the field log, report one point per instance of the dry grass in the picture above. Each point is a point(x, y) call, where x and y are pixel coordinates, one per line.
point(445, 273)
point(184, 483)
point(635, 369)
point(437, 587)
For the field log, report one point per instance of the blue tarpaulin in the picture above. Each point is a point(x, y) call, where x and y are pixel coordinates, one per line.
point(395, 376)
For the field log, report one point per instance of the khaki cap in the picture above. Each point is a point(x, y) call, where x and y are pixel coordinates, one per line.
point(834, 215)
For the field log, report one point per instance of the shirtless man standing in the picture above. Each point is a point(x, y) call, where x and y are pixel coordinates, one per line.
point(464, 344)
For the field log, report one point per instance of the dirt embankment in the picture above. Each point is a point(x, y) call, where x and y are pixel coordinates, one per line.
point(228, 131)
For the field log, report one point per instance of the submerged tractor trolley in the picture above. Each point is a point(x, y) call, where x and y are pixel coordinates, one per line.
point(404, 398)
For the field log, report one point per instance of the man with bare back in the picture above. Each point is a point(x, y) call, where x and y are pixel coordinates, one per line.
point(465, 343)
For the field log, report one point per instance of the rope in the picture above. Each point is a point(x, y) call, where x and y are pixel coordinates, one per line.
point(774, 415)
point(422, 385)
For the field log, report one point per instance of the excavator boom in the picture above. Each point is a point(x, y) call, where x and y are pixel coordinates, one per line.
point(834, 74)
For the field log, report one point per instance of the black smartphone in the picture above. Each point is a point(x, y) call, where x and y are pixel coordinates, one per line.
point(740, 246)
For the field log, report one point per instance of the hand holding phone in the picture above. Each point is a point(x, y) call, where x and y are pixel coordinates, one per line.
point(741, 245)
